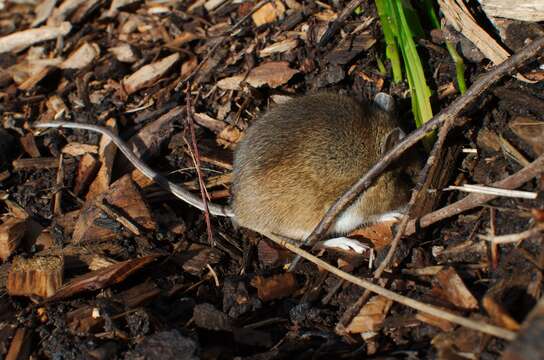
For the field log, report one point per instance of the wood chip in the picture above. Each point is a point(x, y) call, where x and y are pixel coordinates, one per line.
point(68, 221)
point(211, 181)
point(55, 109)
point(102, 278)
point(523, 10)
point(148, 142)
point(495, 304)
point(35, 163)
point(271, 255)
point(531, 131)
point(183, 38)
point(450, 287)
point(279, 47)
point(84, 10)
point(349, 48)
point(124, 53)
point(326, 15)
point(371, 316)
point(122, 194)
point(442, 324)
point(28, 142)
point(21, 345)
point(106, 155)
point(268, 13)
point(459, 16)
point(197, 257)
point(149, 74)
point(488, 140)
point(78, 149)
point(116, 5)
point(138, 295)
point(65, 9)
point(85, 320)
point(39, 275)
point(208, 122)
point(273, 74)
point(22, 39)
point(35, 79)
point(43, 10)
point(86, 171)
point(82, 57)
point(211, 5)
point(31, 69)
point(12, 231)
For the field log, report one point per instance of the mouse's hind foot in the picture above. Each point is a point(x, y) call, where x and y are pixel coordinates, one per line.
point(345, 243)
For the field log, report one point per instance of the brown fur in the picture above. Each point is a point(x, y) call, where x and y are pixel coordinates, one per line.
point(298, 158)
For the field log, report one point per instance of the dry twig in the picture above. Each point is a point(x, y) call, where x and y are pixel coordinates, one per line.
point(512, 238)
point(196, 159)
point(480, 189)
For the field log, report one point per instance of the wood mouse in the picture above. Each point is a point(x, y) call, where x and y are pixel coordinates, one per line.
point(295, 161)
point(301, 156)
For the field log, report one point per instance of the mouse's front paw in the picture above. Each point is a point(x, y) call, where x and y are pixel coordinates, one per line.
point(345, 243)
point(393, 216)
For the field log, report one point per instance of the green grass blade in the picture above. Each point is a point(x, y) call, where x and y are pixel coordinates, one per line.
point(389, 30)
point(458, 60)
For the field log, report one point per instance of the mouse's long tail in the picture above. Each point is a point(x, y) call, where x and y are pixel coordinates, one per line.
point(177, 190)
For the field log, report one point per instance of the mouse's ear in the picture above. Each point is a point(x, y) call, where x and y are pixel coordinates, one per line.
point(393, 138)
point(385, 102)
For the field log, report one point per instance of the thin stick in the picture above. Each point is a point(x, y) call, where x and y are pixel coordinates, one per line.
point(511, 238)
point(57, 207)
point(414, 304)
point(196, 159)
point(480, 189)
point(459, 105)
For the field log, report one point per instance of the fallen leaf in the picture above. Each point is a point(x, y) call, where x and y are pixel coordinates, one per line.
point(450, 287)
point(380, 234)
point(371, 316)
point(275, 287)
point(273, 74)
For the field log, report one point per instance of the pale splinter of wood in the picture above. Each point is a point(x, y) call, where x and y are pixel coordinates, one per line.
point(480, 189)
point(22, 39)
point(512, 238)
